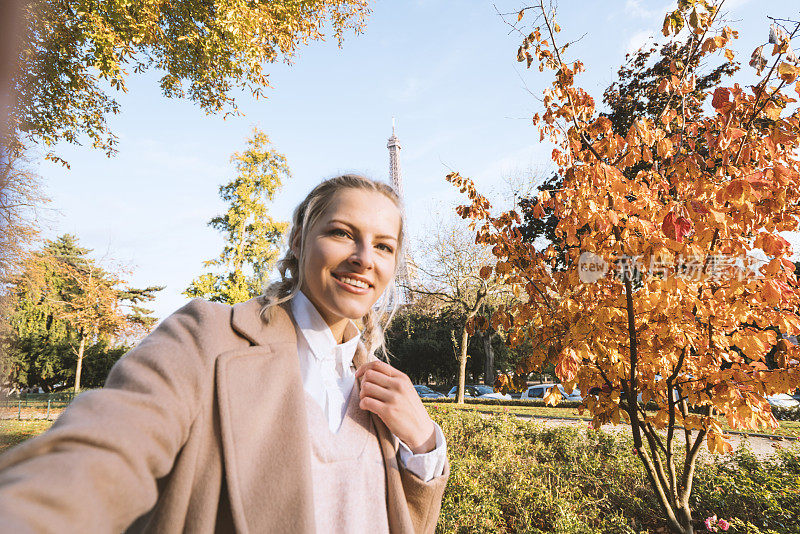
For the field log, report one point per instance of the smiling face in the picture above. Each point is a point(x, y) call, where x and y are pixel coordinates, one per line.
point(351, 253)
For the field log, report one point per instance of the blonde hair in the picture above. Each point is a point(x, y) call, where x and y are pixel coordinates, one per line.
point(290, 266)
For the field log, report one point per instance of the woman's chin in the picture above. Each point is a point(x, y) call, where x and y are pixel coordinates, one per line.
point(353, 310)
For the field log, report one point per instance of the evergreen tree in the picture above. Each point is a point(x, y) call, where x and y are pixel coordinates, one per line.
point(64, 306)
point(252, 236)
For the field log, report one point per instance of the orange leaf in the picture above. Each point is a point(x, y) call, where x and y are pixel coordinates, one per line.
point(676, 227)
point(773, 245)
point(699, 207)
point(738, 191)
point(771, 292)
point(721, 96)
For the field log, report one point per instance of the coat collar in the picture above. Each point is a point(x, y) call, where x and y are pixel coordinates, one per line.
point(247, 320)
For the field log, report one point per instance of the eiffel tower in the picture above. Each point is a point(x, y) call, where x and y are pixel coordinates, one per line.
point(403, 278)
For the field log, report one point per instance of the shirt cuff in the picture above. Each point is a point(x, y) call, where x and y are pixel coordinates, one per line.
point(428, 465)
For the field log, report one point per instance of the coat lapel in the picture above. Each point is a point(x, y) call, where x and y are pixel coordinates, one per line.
point(263, 425)
point(265, 433)
point(396, 505)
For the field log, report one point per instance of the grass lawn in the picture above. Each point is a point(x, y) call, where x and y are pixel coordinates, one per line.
point(787, 428)
point(13, 431)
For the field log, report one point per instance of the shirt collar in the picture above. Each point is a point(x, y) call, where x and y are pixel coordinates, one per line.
point(318, 334)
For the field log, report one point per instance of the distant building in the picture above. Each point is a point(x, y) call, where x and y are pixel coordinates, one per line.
point(403, 276)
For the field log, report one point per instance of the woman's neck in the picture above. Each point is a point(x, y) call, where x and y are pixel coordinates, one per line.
point(338, 326)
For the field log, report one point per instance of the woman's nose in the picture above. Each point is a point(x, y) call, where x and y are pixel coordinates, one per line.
point(363, 255)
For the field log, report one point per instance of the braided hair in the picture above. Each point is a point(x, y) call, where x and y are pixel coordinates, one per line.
point(290, 266)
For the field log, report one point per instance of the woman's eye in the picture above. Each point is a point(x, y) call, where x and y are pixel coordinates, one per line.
point(339, 231)
point(387, 248)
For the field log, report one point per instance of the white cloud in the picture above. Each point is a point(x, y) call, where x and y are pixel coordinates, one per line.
point(634, 8)
point(638, 40)
point(411, 89)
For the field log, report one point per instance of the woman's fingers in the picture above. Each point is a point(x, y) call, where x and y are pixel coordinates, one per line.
point(377, 377)
point(376, 391)
point(378, 366)
point(389, 394)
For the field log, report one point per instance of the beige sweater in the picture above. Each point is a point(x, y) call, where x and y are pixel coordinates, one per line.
point(347, 472)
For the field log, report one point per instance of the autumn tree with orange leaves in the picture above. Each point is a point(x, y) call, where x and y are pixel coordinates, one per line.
point(660, 293)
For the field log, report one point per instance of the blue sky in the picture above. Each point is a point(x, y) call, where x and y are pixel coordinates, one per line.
point(446, 70)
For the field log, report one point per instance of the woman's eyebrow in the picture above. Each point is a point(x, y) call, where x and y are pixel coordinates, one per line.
point(381, 236)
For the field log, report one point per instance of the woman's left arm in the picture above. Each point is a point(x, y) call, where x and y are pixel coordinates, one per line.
point(389, 394)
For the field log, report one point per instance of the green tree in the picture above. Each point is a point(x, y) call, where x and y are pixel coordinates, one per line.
point(74, 52)
point(420, 345)
point(450, 272)
point(422, 342)
point(64, 306)
point(252, 236)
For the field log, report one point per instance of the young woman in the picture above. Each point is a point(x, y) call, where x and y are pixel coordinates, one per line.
point(272, 415)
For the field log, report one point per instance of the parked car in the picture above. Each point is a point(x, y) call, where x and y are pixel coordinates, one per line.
point(540, 390)
point(427, 393)
point(783, 400)
point(479, 391)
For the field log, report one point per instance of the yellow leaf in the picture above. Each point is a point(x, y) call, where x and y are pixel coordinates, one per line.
point(772, 112)
point(729, 54)
point(787, 72)
point(553, 396)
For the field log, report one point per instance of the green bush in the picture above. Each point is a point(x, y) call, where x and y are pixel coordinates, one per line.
point(764, 495)
point(510, 475)
point(786, 414)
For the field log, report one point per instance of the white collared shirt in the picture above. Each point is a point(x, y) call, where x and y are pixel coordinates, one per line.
point(328, 376)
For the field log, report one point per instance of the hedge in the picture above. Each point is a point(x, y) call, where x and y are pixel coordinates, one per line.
point(781, 414)
point(510, 475)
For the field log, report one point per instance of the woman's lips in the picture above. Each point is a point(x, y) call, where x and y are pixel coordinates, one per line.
point(350, 288)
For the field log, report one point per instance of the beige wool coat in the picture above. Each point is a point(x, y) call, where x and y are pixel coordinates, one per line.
point(201, 428)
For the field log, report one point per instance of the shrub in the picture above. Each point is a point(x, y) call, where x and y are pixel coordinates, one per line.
point(761, 495)
point(506, 402)
point(511, 475)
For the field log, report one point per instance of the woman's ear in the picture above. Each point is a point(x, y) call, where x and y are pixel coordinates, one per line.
point(295, 246)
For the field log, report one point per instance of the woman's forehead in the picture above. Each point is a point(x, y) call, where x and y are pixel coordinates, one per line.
point(369, 211)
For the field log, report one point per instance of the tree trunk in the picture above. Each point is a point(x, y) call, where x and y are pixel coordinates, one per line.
point(488, 367)
point(462, 365)
point(80, 365)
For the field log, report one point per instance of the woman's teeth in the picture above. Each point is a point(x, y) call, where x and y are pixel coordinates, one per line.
point(353, 282)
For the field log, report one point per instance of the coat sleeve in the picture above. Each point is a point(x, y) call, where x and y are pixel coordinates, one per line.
point(424, 498)
point(95, 470)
